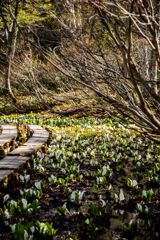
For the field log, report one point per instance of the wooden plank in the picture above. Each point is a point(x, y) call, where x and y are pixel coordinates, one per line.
point(4, 174)
point(12, 162)
point(8, 133)
point(6, 160)
point(23, 149)
point(37, 141)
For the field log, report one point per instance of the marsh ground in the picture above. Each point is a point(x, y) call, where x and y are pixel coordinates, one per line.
point(99, 179)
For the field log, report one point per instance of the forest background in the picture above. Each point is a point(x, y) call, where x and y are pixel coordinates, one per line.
point(82, 55)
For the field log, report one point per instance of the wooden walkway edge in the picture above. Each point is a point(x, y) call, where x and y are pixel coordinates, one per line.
point(20, 155)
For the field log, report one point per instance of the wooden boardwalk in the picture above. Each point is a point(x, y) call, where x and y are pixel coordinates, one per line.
point(20, 155)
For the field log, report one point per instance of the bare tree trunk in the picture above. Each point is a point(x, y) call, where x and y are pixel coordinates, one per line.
point(79, 20)
point(10, 55)
point(154, 65)
point(11, 35)
point(73, 18)
point(158, 86)
point(125, 70)
point(145, 64)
